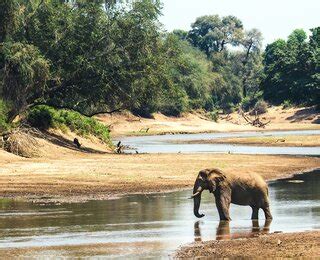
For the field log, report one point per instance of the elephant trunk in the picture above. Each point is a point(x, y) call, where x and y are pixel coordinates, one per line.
point(197, 189)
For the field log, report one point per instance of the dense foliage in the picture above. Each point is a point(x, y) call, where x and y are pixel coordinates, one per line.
point(3, 116)
point(292, 69)
point(45, 117)
point(103, 56)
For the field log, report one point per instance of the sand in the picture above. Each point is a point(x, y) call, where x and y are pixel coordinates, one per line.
point(296, 245)
point(82, 176)
point(280, 119)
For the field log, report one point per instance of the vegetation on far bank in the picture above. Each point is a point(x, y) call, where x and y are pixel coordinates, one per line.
point(103, 56)
point(45, 117)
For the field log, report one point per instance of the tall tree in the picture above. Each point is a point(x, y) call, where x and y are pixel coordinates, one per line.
point(8, 17)
point(252, 61)
point(211, 33)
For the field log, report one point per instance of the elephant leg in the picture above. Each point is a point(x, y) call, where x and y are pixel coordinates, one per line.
point(267, 212)
point(255, 213)
point(223, 206)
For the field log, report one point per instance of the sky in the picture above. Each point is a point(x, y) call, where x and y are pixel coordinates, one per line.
point(274, 18)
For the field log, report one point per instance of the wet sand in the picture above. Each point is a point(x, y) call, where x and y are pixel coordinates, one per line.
point(79, 251)
point(278, 141)
point(294, 245)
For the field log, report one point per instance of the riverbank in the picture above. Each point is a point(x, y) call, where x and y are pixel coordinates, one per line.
point(87, 176)
point(282, 141)
point(296, 245)
point(126, 124)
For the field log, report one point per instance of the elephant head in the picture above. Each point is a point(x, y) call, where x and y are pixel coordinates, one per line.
point(207, 179)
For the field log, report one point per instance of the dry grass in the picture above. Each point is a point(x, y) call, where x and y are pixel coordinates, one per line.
point(22, 142)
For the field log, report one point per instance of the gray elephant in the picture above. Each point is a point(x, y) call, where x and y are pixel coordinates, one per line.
point(246, 189)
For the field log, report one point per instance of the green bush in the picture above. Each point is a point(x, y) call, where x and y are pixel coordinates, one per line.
point(260, 107)
point(214, 115)
point(174, 103)
point(45, 117)
point(228, 108)
point(3, 116)
point(287, 104)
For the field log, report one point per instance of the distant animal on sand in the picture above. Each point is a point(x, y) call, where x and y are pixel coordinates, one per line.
point(76, 142)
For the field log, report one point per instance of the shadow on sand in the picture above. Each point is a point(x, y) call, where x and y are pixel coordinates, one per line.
point(63, 142)
point(309, 113)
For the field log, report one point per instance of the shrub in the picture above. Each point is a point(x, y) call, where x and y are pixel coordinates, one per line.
point(260, 107)
point(214, 115)
point(3, 116)
point(287, 104)
point(41, 117)
point(228, 108)
point(248, 103)
point(174, 103)
point(45, 117)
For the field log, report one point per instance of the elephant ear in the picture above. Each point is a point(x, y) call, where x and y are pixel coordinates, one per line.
point(203, 174)
point(217, 175)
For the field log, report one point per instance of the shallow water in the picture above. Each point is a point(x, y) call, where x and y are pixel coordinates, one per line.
point(165, 143)
point(153, 225)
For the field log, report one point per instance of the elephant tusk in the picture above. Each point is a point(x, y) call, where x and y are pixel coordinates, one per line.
point(197, 193)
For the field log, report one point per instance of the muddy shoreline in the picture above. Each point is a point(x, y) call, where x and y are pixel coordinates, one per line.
point(274, 141)
point(285, 245)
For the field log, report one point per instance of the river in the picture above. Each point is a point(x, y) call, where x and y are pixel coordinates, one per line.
point(152, 225)
point(166, 143)
point(156, 225)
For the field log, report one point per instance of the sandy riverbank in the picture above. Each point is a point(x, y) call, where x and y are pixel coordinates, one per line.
point(83, 176)
point(283, 141)
point(295, 245)
point(63, 173)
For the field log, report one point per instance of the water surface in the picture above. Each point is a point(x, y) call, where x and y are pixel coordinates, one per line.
point(166, 143)
point(153, 225)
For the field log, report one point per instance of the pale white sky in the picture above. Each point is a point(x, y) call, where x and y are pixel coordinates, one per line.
point(274, 18)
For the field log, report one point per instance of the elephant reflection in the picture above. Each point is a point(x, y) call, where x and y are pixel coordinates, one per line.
point(223, 230)
point(197, 232)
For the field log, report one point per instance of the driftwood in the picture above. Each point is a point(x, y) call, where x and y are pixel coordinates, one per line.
point(256, 122)
point(146, 130)
point(119, 149)
point(21, 141)
point(134, 120)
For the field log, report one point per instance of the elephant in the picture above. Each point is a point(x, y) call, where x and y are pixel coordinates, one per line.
point(247, 189)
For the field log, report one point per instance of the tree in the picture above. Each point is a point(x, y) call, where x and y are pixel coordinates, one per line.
point(8, 17)
point(252, 61)
point(292, 70)
point(24, 75)
point(100, 61)
point(211, 33)
point(189, 73)
point(275, 64)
